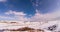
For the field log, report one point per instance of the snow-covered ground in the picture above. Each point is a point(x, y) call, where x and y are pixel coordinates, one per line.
point(36, 25)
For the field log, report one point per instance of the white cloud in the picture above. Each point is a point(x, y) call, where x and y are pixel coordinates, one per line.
point(45, 17)
point(18, 15)
point(14, 12)
point(6, 18)
point(3, 17)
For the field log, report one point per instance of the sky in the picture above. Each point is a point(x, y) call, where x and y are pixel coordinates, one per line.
point(30, 10)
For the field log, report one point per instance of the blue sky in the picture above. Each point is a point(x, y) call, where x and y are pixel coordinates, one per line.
point(17, 5)
point(10, 8)
point(26, 6)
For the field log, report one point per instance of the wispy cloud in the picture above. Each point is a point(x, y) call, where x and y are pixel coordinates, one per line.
point(18, 15)
point(15, 13)
point(45, 17)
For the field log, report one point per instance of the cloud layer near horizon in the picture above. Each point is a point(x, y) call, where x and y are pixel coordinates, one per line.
point(37, 17)
point(46, 17)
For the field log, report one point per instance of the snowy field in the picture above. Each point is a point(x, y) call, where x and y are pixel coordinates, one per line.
point(55, 25)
